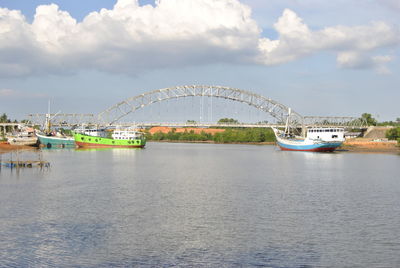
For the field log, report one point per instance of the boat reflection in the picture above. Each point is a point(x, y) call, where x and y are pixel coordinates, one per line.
point(116, 150)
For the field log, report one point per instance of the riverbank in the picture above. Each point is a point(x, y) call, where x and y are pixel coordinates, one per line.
point(357, 146)
point(365, 145)
point(353, 145)
point(5, 147)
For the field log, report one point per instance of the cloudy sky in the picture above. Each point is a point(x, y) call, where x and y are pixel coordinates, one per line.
point(319, 57)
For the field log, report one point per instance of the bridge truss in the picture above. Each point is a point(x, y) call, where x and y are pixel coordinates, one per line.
point(63, 120)
point(335, 121)
point(279, 111)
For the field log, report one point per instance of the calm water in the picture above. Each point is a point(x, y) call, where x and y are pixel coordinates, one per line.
point(202, 205)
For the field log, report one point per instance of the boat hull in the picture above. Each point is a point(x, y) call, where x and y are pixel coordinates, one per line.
point(58, 142)
point(26, 141)
point(87, 141)
point(328, 147)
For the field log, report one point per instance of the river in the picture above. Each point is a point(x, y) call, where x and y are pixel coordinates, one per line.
point(202, 205)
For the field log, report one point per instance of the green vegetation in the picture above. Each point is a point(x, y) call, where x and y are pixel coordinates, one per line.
point(245, 135)
point(393, 134)
point(230, 135)
point(370, 120)
point(228, 121)
point(175, 136)
point(390, 123)
point(4, 119)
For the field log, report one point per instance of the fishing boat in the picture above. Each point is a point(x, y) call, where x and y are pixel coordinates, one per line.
point(25, 137)
point(56, 140)
point(314, 139)
point(319, 139)
point(109, 138)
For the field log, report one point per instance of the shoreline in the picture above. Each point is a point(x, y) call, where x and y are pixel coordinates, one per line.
point(365, 147)
point(351, 147)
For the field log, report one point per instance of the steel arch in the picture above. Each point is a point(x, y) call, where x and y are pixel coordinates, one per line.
point(276, 109)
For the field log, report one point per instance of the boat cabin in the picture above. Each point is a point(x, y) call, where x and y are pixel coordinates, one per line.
point(326, 133)
point(126, 134)
point(95, 132)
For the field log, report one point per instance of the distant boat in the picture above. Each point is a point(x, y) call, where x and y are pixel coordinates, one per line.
point(25, 137)
point(320, 139)
point(56, 140)
point(101, 138)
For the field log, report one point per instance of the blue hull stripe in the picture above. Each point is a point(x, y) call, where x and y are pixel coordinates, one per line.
point(309, 147)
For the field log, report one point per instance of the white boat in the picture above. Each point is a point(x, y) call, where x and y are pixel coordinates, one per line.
point(318, 139)
point(25, 137)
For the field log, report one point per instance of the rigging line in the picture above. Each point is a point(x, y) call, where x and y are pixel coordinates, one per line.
point(211, 106)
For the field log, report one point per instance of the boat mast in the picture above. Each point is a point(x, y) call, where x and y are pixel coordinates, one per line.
point(287, 121)
point(47, 122)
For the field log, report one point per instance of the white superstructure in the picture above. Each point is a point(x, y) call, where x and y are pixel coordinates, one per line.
point(126, 134)
point(326, 134)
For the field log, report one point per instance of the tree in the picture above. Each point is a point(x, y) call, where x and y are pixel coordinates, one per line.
point(370, 120)
point(228, 121)
point(4, 118)
point(393, 134)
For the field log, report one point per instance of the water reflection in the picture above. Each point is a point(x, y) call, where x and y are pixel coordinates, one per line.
point(202, 205)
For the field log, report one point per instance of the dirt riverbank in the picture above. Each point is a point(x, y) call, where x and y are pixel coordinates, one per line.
point(365, 145)
point(351, 145)
point(5, 147)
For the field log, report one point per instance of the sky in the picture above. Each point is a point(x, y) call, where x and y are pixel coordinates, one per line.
point(323, 58)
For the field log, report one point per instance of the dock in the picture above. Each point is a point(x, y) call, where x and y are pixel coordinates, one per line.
point(23, 159)
point(26, 163)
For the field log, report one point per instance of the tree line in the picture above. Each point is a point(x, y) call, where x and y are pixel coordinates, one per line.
point(228, 136)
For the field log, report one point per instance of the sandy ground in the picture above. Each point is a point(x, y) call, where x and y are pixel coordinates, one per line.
point(5, 147)
point(370, 146)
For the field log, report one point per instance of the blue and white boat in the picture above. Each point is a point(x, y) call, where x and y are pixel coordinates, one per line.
point(318, 139)
point(56, 140)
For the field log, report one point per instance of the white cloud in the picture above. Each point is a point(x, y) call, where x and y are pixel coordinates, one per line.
point(391, 4)
point(12, 93)
point(296, 40)
point(6, 92)
point(131, 38)
point(356, 60)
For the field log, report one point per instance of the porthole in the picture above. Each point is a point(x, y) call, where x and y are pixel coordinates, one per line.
point(113, 141)
point(96, 140)
point(82, 138)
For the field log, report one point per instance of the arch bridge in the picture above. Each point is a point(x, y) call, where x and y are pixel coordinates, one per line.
point(282, 113)
point(279, 111)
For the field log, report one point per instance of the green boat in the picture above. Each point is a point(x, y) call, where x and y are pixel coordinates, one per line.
point(100, 138)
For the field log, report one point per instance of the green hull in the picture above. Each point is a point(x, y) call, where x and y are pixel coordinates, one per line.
point(87, 141)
